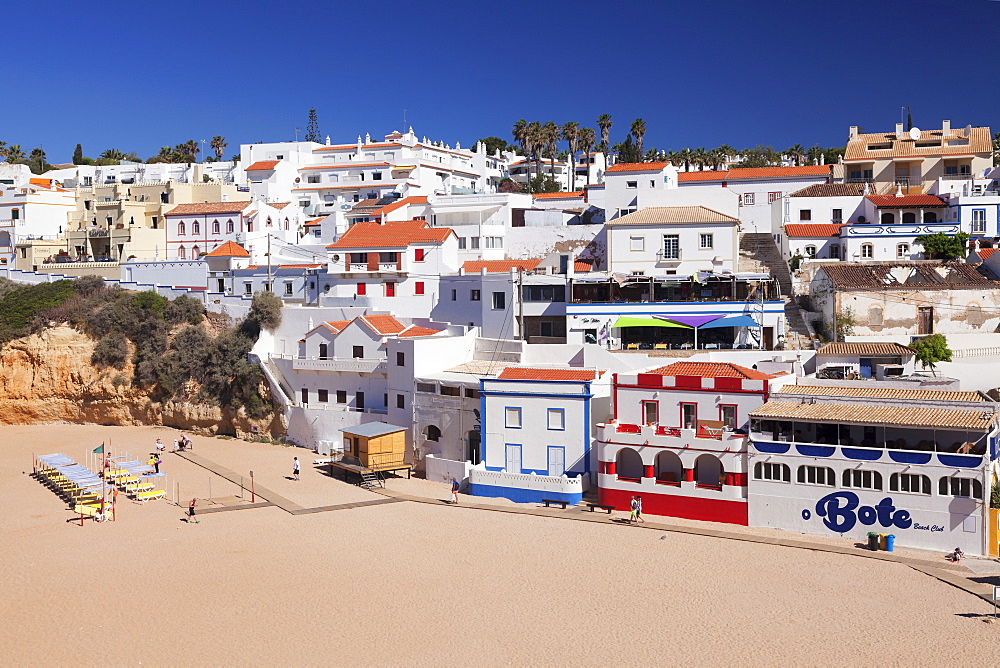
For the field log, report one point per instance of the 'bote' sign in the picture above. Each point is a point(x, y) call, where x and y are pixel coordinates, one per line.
point(841, 512)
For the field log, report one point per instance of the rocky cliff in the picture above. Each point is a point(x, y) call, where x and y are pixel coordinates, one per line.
point(48, 377)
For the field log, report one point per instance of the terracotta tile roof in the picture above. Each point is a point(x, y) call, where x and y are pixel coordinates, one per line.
point(386, 325)
point(582, 265)
point(881, 393)
point(314, 222)
point(388, 208)
point(812, 230)
point(498, 266)
point(857, 150)
point(261, 165)
point(229, 249)
point(711, 370)
point(348, 166)
point(906, 276)
point(705, 175)
point(560, 195)
point(831, 190)
point(529, 373)
point(636, 167)
point(906, 201)
point(414, 331)
point(984, 253)
point(779, 172)
point(278, 205)
point(911, 416)
point(391, 235)
point(335, 326)
point(208, 207)
point(665, 215)
point(864, 348)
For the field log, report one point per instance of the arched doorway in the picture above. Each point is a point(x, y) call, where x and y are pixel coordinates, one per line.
point(909, 217)
point(708, 471)
point(888, 219)
point(629, 464)
point(669, 469)
point(432, 433)
point(930, 217)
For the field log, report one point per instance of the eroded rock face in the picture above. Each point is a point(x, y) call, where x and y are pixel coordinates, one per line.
point(48, 377)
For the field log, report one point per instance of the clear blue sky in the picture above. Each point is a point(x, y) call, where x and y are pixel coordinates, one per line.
point(140, 75)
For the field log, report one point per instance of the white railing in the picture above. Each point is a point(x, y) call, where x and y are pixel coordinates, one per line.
point(342, 408)
point(353, 364)
point(529, 481)
point(990, 351)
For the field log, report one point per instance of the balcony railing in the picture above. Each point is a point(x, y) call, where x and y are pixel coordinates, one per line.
point(962, 176)
point(350, 364)
point(673, 256)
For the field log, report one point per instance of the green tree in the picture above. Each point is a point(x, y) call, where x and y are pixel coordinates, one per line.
point(797, 153)
point(760, 156)
point(493, 144)
point(931, 350)
point(189, 150)
point(536, 140)
point(604, 124)
point(543, 184)
point(996, 149)
point(219, 146)
point(550, 141)
point(638, 131)
point(312, 127)
point(627, 150)
point(265, 310)
point(509, 185)
point(113, 154)
point(37, 162)
point(571, 133)
point(944, 247)
point(78, 155)
point(15, 153)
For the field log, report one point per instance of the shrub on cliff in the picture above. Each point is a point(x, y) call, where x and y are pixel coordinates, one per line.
point(184, 309)
point(111, 351)
point(265, 310)
point(20, 306)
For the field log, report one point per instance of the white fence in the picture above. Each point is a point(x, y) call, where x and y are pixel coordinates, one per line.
point(526, 487)
point(440, 469)
point(992, 351)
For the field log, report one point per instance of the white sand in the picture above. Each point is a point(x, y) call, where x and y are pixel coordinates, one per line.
point(408, 583)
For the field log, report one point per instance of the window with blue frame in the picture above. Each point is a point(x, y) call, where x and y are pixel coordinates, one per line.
point(979, 221)
point(512, 417)
point(556, 419)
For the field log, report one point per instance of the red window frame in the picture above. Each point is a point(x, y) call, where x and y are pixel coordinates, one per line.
point(390, 289)
point(681, 406)
point(656, 406)
point(362, 289)
point(418, 254)
point(418, 288)
point(773, 197)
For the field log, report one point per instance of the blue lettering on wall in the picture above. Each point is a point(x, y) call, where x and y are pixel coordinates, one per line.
point(841, 513)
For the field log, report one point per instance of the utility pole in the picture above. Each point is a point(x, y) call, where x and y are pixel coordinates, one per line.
point(520, 302)
point(269, 286)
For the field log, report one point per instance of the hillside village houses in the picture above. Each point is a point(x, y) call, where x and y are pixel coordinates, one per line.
point(517, 340)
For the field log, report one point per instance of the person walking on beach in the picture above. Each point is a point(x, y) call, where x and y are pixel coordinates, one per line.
point(156, 463)
point(159, 445)
point(638, 509)
point(295, 468)
point(454, 490)
point(194, 502)
point(635, 509)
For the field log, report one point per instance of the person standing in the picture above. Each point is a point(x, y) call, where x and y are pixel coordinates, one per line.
point(156, 463)
point(454, 490)
point(295, 468)
point(159, 445)
point(638, 509)
point(194, 502)
point(635, 509)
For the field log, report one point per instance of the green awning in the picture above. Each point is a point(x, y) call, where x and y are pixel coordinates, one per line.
point(646, 322)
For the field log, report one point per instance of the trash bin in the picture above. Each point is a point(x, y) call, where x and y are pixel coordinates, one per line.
point(881, 540)
point(872, 541)
point(890, 542)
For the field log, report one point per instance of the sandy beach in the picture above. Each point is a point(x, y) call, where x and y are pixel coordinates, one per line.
point(421, 584)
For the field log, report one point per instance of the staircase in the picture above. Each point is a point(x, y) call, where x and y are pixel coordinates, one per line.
point(369, 479)
point(759, 253)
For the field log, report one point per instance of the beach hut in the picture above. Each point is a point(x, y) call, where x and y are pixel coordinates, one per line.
point(374, 447)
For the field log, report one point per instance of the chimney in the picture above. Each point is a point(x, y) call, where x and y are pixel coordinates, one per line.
point(852, 133)
point(899, 130)
point(945, 128)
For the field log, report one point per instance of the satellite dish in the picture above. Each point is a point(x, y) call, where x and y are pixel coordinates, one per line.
point(968, 131)
point(914, 134)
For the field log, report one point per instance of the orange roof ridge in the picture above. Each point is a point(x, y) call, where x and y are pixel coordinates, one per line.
point(812, 229)
point(711, 370)
point(636, 167)
point(383, 324)
point(498, 266)
point(392, 234)
point(229, 249)
point(536, 373)
point(263, 165)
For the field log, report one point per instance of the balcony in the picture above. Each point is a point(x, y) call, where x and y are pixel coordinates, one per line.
point(366, 268)
point(958, 176)
point(348, 364)
point(706, 437)
point(663, 257)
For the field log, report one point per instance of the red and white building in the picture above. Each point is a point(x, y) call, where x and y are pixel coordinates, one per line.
point(678, 439)
point(193, 229)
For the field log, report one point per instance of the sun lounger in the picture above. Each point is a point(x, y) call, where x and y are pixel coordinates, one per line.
point(151, 496)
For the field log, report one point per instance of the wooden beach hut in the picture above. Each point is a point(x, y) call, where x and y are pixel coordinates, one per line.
point(376, 446)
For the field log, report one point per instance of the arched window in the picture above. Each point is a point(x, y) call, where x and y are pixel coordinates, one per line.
point(914, 483)
point(974, 315)
point(816, 475)
point(867, 251)
point(954, 486)
point(196, 227)
point(286, 223)
point(930, 217)
point(771, 471)
point(215, 227)
point(862, 479)
point(182, 253)
point(669, 469)
point(432, 433)
point(888, 218)
point(909, 217)
point(902, 251)
point(195, 252)
point(810, 251)
point(629, 465)
point(708, 472)
point(181, 228)
point(249, 226)
point(269, 221)
point(875, 316)
point(229, 226)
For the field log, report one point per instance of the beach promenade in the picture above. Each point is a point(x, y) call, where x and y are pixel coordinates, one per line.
point(324, 572)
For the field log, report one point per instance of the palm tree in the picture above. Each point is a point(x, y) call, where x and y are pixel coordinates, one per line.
point(587, 140)
point(37, 159)
point(113, 154)
point(219, 146)
point(726, 152)
point(604, 122)
point(3, 149)
point(189, 150)
point(520, 133)
point(797, 152)
point(685, 155)
point(14, 153)
point(637, 131)
point(535, 143)
point(571, 133)
point(550, 139)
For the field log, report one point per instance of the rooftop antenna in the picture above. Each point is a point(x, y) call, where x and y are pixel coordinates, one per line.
point(404, 118)
point(297, 134)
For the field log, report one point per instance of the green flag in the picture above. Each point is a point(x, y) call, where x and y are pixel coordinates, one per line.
point(99, 450)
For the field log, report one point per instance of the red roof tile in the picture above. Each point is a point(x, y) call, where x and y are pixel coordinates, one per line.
point(705, 175)
point(812, 230)
point(524, 373)
point(386, 325)
point(262, 165)
point(413, 331)
point(388, 208)
point(314, 221)
point(560, 195)
point(779, 172)
point(391, 235)
point(334, 326)
point(711, 370)
point(582, 265)
point(229, 249)
point(893, 202)
point(984, 253)
point(208, 207)
point(636, 167)
point(278, 205)
point(498, 266)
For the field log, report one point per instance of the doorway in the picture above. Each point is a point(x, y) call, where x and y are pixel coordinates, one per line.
point(557, 460)
point(925, 320)
point(513, 459)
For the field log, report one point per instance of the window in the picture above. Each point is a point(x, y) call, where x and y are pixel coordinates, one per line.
point(909, 217)
point(249, 226)
point(451, 391)
point(772, 197)
point(974, 315)
point(362, 289)
point(810, 251)
point(637, 243)
point(312, 178)
point(461, 243)
point(474, 295)
point(400, 401)
point(556, 419)
point(544, 293)
point(979, 221)
point(671, 247)
point(835, 252)
point(913, 483)
point(747, 199)
point(631, 184)
point(215, 227)
point(512, 418)
point(493, 242)
point(805, 214)
point(651, 412)
point(418, 254)
point(867, 251)
point(324, 351)
point(887, 218)
point(471, 393)
point(400, 359)
point(418, 288)
point(390, 289)
point(902, 251)
point(341, 396)
point(305, 395)
point(625, 212)
point(967, 487)
point(875, 316)
point(689, 415)
point(248, 288)
point(428, 388)
point(816, 475)
point(358, 352)
point(771, 471)
point(861, 479)
point(359, 400)
point(705, 240)
point(182, 253)
point(727, 415)
point(432, 433)
point(376, 176)
point(322, 396)
point(499, 301)
point(288, 288)
point(474, 242)
point(196, 227)
point(181, 228)
point(454, 295)
point(837, 216)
